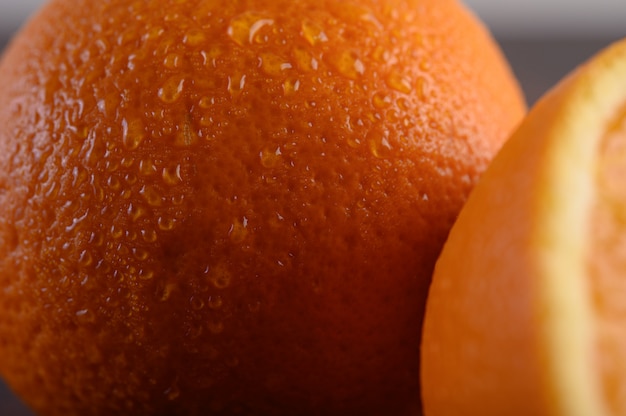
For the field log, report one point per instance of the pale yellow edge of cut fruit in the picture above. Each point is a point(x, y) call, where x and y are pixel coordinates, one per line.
point(590, 98)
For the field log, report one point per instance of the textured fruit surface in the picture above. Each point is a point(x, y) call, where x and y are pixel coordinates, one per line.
point(525, 315)
point(234, 207)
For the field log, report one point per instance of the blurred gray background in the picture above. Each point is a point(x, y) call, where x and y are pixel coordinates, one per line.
point(543, 40)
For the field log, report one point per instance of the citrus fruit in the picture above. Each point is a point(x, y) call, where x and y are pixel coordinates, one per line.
point(235, 207)
point(525, 315)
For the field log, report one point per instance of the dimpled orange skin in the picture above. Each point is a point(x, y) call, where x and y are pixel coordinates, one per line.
point(234, 207)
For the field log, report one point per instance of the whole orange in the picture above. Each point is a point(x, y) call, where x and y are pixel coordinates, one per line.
point(212, 207)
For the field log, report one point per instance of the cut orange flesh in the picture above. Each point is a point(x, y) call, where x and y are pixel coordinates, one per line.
point(607, 263)
point(526, 313)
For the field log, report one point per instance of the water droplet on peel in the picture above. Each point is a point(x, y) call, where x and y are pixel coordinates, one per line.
point(304, 60)
point(403, 104)
point(151, 195)
point(379, 144)
point(53, 190)
point(196, 303)
point(147, 167)
point(145, 274)
point(82, 132)
point(166, 291)
point(421, 87)
point(127, 161)
point(215, 302)
point(270, 158)
point(353, 142)
point(85, 259)
point(126, 36)
point(172, 89)
point(64, 282)
point(113, 182)
point(347, 63)
point(194, 37)
point(380, 54)
point(206, 102)
point(177, 199)
point(122, 249)
point(272, 64)
point(444, 172)
point(171, 17)
point(313, 32)
point(206, 121)
point(85, 316)
point(149, 236)
point(399, 82)
point(112, 165)
point(373, 117)
point(238, 230)
point(76, 222)
point(79, 177)
point(135, 211)
point(116, 232)
point(153, 33)
point(132, 235)
point(172, 61)
point(220, 277)
point(96, 238)
point(393, 116)
point(246, 27)
point(209, 57)
point(380, 100)
point(133, 133)
point(291, 86)
point(236, 84)
point(166, 223)
point(172, 175)
point(140, 254)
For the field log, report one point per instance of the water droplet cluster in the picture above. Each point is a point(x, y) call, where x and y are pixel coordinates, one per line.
point(184, 178)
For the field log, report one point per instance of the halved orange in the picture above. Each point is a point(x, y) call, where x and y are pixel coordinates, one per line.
point(526, 313)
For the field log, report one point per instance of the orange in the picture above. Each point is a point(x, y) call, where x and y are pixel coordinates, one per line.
point(235, 207)
point(525, 315)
